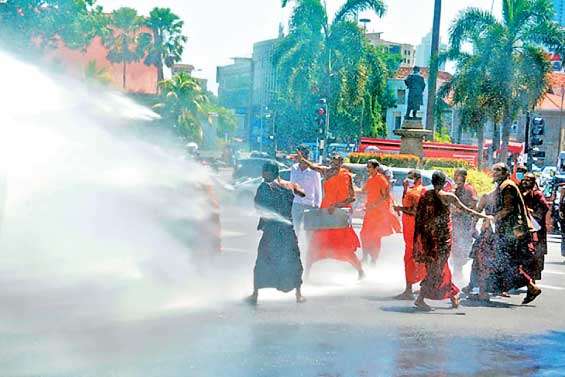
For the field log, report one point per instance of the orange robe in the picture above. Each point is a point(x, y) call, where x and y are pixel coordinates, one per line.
point(340, 243)
point(415, 272)
point(380, 220)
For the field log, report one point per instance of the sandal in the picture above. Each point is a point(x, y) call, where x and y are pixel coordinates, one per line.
point(531, 296)
point(422, 306)
point(455, 301)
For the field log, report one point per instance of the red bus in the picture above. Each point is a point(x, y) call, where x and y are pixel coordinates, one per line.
point(438, 150)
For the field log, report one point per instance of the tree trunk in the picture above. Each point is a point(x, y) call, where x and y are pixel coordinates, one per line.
point(481, 146)
point(432, 76)
point(124, 76)
point(495, 142)
point(506, 124)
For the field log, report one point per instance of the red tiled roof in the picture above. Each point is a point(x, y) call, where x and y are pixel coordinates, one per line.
point(403, 72)
point(552, 99)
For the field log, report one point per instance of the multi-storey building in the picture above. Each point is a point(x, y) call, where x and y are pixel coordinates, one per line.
point(406, 51)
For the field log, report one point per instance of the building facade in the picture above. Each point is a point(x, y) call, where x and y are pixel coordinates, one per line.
point(406, 51)
point(235, 83)
point(424, 52)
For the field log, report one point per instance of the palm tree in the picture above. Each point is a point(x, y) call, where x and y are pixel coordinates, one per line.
point(184, 105)
point(516, 59)
point(97, 74)
point(168, 41)
point(333, 60)
point(127, 43)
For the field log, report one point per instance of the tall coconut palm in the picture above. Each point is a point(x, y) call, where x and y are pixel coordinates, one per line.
point(329, 59)
point(127, 43)
point(185, 105)
point(515, 47)
point(168, 41)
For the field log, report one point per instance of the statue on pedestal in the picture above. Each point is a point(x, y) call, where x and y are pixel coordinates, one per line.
point(416, 84)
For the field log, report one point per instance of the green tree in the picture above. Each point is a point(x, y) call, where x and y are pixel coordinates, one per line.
point(127, 43)
point(93, 73)
point(168, 40)
point(184, 106)
point(517, 60)
point(26, 25)
point(332, 60)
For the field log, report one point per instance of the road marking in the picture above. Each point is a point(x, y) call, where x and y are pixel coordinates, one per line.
point(551, 287)
point(553, 272)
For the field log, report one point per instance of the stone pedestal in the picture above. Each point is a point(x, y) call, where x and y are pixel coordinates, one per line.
point(412, 135)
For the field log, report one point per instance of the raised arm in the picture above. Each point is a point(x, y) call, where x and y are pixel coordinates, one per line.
point(454, 200)
point(316, 167)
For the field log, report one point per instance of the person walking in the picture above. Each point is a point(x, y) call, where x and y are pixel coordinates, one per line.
point(513, 240)
point(463, 223)
point(278, 262)
point(379, 220)
point(414, 272)
point(538, 208)
point(432, 242)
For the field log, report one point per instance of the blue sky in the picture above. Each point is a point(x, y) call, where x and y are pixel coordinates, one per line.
point(220, 29)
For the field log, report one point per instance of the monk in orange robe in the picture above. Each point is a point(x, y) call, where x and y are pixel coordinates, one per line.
point(413, 271)
point(342, 243)
point(380, 220)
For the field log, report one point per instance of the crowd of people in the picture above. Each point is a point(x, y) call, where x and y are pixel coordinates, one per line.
point(439, 226)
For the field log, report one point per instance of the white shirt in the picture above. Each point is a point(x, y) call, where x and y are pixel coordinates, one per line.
point(311, 183)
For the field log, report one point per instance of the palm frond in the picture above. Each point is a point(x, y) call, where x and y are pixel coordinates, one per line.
point(353, 7)
point(470, 25)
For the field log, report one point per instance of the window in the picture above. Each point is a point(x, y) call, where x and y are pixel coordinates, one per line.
point(400, 96)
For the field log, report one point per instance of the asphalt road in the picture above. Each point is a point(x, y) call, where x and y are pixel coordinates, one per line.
point(174, 321)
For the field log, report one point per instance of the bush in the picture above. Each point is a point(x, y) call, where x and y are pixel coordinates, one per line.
point(432, 163)
point(396, 160)
point(480, 180)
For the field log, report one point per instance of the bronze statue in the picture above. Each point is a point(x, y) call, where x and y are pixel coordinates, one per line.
point(416, 85)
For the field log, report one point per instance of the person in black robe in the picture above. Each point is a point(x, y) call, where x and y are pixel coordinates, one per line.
point(538, 207)
point(278, 262)
point(513, 239)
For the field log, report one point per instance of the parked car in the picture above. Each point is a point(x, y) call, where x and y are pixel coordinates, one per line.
point(252, 167)
point(244, 191)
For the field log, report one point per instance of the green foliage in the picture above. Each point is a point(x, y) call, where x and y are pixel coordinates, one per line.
point(93, 73)
point(436, 162)
point(126, 44)
point(319, 59)
point(168, 41)
point(26, 25)
point(183, 106)
point(480, 180)
point(507, 57)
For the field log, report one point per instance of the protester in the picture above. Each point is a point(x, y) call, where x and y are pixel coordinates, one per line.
point(432, 242)
point(514, 249)
point(278, 262)
point(483, 250)
point(413, 271)
point(379, 220)
point(311, 182)
point(538, 207)
point(338, 192)
point(463, 223)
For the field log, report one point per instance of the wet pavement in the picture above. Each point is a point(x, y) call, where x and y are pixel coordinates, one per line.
point(139, 326)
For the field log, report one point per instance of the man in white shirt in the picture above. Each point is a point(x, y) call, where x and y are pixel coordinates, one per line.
point(311, 183)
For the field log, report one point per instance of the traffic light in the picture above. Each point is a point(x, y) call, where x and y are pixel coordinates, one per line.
point(538, 130)
point(321, 114)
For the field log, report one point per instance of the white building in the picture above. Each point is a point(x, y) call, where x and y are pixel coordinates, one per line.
point(424, 50)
